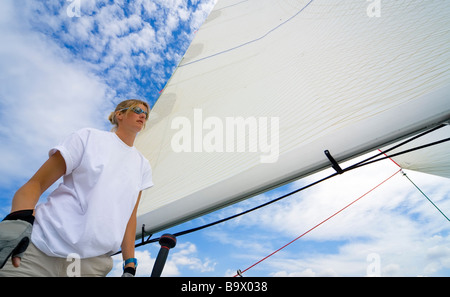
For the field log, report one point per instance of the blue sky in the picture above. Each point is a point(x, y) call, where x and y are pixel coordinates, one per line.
point(61, 73)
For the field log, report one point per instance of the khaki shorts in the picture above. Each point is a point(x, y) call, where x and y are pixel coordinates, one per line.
point(36, 263)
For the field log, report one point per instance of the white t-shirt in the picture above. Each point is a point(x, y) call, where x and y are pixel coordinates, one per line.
point(88, 213)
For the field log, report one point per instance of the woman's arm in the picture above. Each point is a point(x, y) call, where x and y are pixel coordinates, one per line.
point(130, 236)
point(28, 195)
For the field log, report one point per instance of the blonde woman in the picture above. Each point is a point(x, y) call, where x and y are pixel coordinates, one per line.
point(92, 214)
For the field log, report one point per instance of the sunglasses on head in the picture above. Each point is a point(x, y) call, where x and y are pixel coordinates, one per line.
point(136, 110)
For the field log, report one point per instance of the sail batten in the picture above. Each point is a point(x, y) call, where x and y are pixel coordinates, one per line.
point(266, 86)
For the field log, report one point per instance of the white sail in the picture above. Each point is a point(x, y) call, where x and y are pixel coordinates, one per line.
point(295, 78)
point(432, 160)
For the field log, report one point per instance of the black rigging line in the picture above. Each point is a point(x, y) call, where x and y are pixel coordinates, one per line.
point(352, 167)
point(398, 145)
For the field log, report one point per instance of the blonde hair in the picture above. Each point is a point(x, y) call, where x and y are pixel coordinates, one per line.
point(130, 103)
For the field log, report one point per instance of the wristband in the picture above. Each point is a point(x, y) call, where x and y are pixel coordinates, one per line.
point(130, 260)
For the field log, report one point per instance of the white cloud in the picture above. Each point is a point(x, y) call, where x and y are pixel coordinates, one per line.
point(187, 257)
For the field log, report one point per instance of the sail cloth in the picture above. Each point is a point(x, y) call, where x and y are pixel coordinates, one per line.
point(432, 160)
point(267, 85)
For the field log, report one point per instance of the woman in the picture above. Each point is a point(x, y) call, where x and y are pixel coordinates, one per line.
point(92, 214)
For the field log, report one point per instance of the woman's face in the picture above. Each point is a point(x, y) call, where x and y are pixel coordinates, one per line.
point(132, 120)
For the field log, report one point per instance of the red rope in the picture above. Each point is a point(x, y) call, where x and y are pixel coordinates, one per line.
point(319, 224)
point(389, 158)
